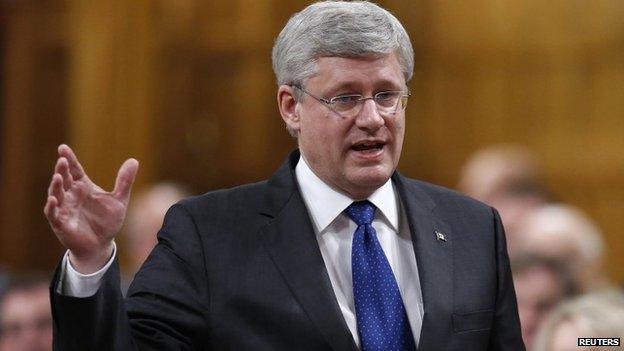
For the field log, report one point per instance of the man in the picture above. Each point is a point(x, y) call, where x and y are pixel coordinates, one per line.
point(597, 315)
point(4, 280)
point(506, 177)
point(564, 233)
point(145, 217)
point(540, 284)
point(25, 316)
point(336, 251)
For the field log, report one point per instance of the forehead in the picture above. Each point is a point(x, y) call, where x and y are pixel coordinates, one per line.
point(336, 72)
point(538, 282)
point(22, 304)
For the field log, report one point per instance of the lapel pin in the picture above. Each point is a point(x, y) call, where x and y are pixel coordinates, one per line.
point(440, 236)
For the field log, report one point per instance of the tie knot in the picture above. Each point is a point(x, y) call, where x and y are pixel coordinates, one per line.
point(361, 212)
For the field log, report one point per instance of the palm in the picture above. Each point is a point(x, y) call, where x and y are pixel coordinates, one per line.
point(84, 217)
point(89, 215)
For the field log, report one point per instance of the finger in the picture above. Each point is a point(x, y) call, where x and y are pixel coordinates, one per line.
point(51, 213)
point(75, 168)
point(125, 179)
point(62, 168)
point(56, 188)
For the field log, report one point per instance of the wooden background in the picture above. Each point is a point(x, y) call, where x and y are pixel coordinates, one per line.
point(186, 87)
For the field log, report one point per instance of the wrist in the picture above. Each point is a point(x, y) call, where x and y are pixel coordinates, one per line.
point(93, 262)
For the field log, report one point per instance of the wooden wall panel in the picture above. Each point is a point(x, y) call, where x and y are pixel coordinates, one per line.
point(186, 87)
point(34, 87)
point(112, 78)
point(544, 75)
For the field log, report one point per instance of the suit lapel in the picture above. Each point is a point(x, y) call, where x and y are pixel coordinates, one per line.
point(434, 258)
point(292, 245)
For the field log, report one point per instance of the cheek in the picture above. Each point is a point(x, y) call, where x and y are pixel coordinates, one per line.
point(397, 130)
point(316, 141)
point(324, 134)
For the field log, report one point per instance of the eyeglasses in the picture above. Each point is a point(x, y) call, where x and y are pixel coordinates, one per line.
point(388, 103)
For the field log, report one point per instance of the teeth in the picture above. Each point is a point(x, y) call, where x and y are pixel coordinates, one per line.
point(369, 150)
point(367, 147)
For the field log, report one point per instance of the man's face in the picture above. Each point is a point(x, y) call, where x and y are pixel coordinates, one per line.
point(353, 155)
point(26, 320)
point(565, 336)
point(538, 290)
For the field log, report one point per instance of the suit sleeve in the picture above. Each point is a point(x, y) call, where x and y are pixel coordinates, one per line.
point(506, 334)
point(166, 307)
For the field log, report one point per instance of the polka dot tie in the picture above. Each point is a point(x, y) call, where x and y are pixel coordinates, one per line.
point(381, 319)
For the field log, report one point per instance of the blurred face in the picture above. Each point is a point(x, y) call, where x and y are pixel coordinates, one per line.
point(565, 337)
point(26, 320)
point(354, 155)
point(538, 290)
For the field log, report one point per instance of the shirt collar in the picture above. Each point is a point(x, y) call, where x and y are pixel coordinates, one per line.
point(325, 203)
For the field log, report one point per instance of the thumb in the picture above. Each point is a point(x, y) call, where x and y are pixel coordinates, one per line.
point(125, 178)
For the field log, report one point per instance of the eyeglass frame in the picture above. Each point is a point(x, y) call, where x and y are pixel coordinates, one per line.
point(360, 101)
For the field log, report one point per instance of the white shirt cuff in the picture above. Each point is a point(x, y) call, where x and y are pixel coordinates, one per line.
point(75, 284)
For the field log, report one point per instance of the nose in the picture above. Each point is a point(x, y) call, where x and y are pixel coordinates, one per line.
point(369, 118)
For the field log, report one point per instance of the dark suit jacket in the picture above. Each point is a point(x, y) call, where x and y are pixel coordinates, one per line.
point(240, 269)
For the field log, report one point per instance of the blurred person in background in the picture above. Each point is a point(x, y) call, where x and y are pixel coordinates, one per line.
point(564, 233)
point(506, 177)
point(145, 217)
point(541, 283)
point(4, 280)
point(597, 315)
point(25, 315)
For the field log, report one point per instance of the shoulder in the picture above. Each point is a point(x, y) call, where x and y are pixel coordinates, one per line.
point(442, 196)
point(220, 201)
point(224, 211)
point(445, 200)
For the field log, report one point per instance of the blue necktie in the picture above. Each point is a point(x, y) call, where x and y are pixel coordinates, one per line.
point(381, 318)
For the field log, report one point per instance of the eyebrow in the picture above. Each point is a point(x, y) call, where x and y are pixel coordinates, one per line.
point(354, 85)
point(349, 85)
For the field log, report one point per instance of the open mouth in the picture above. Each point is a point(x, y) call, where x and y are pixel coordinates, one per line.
point(368, 147)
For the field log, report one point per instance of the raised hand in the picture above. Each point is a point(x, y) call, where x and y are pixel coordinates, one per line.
point(84, 217)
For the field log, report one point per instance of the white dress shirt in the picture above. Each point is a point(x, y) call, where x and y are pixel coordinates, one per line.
point(76, 284)
point(334, 232)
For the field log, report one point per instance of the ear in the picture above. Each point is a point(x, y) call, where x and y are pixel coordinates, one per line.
point(288, 107)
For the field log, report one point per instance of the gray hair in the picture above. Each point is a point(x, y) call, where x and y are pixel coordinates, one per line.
point(569, 224)
point(338, 29)
point(599, 314)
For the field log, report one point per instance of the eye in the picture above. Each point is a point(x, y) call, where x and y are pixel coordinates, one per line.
point(386, 96)
point(345, 99)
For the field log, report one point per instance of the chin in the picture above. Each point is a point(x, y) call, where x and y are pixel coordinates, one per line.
point(371, 178)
